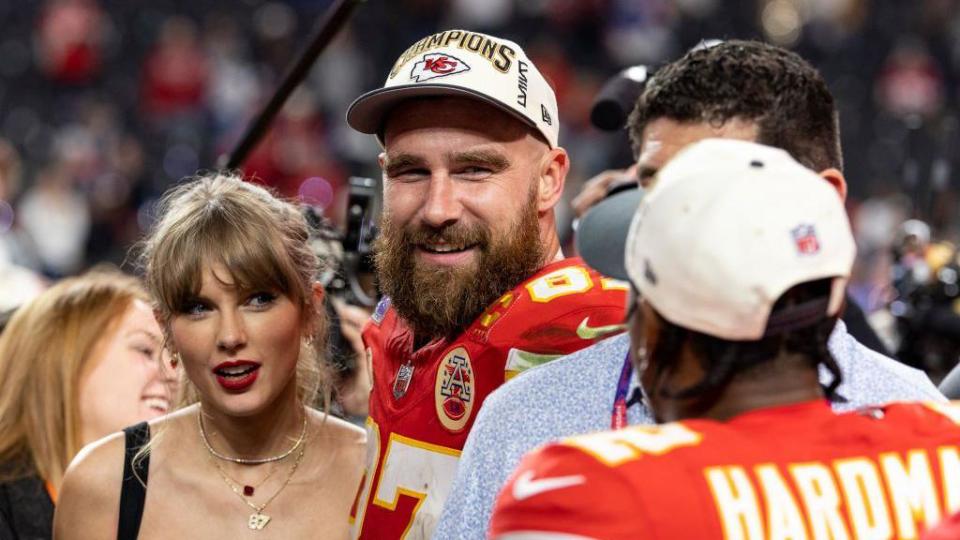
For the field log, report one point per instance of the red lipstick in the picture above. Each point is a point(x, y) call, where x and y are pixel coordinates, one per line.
point(237, 375)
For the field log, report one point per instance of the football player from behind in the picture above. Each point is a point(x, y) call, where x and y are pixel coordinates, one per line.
point(738, 257)
point(477, 288)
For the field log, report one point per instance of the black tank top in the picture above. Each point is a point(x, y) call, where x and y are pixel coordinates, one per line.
point(133, 491)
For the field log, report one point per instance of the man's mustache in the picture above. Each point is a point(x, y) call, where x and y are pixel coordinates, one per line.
point(460, 235)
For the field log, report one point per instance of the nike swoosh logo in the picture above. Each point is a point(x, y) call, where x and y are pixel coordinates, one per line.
point(526, 487)
point(585, 331)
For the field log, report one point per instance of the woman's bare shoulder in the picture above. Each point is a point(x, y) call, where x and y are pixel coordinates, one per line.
point(344, 440)
point(341, 431)
point(88, 504)
point(344, 452)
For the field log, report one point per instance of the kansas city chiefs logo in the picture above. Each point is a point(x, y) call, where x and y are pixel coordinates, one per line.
point(434, 65)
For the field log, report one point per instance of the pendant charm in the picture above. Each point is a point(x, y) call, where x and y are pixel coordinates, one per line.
point(402, 382)
point(258, 521)
point(248, 491)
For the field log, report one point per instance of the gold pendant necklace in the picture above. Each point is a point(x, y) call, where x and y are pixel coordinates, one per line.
point(258, 520)
point(248, 489)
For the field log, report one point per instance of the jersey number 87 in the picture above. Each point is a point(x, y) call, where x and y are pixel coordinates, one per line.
point(408, 467)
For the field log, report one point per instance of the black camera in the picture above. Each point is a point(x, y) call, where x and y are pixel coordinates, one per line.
point(347, 259)
point(617, 98)
point(346, 269)
point(926, 282)
point(619, 95)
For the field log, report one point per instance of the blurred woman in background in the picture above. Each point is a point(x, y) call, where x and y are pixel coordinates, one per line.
point(233, 277)
point(79, 362)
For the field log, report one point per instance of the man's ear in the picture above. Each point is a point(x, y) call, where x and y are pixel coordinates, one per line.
point(836, 179)
point(553, 176)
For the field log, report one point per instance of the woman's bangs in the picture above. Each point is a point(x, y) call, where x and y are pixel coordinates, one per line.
point(255, 261)
point(253, 258)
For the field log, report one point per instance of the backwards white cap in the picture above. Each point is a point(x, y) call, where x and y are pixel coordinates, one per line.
point(729, 227)
point(467, 64)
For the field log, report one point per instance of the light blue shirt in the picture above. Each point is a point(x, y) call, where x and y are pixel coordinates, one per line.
point(575, 394)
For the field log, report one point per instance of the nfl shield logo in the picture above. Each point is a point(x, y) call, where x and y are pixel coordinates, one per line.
point(805, 238)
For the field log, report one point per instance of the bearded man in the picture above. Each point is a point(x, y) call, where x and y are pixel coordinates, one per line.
point(734, 90)
point(477, 288)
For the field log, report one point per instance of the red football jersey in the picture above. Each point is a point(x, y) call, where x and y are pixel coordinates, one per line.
point(423, 402)
point(799, 472)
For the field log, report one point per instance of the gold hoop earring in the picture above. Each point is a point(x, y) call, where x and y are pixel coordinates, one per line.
point(175, 359)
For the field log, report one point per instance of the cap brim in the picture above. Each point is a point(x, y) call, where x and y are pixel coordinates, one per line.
point(602, 233)
point(367, 112)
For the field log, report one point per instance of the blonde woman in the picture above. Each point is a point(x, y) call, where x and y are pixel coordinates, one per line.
point(79, 362)
point(232, 275)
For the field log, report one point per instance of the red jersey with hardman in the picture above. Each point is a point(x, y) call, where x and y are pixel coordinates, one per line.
point(799, 471)
point(423, 402)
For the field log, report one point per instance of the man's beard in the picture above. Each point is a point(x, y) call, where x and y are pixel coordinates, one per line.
point(441, 301)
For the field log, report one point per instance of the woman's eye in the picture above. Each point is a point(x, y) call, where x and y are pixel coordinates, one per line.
point(194, 309)
point(145, 349)
point(261, 299)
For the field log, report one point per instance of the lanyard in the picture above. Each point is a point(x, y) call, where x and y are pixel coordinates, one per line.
point(618, 417)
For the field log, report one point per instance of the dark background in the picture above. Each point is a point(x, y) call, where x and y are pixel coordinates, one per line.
point(106, 103)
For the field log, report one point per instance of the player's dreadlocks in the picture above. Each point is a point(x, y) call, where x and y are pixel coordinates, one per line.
point(753, 81)
point(723, 359)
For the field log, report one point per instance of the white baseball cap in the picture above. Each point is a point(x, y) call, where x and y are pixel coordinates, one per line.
point(467, 64)
point(729, 227)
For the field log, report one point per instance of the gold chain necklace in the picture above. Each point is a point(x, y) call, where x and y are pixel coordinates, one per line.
point(249, 461)
point(258, 520)
point(248, 489)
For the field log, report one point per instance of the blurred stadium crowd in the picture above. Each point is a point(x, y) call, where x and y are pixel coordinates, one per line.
point(105, 103)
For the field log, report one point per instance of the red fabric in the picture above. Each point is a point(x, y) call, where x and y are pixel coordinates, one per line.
point(515, 321)
point(70, 35)
point(652, 482)
point(293, 151)
point(174, 79)
point(948, 530)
